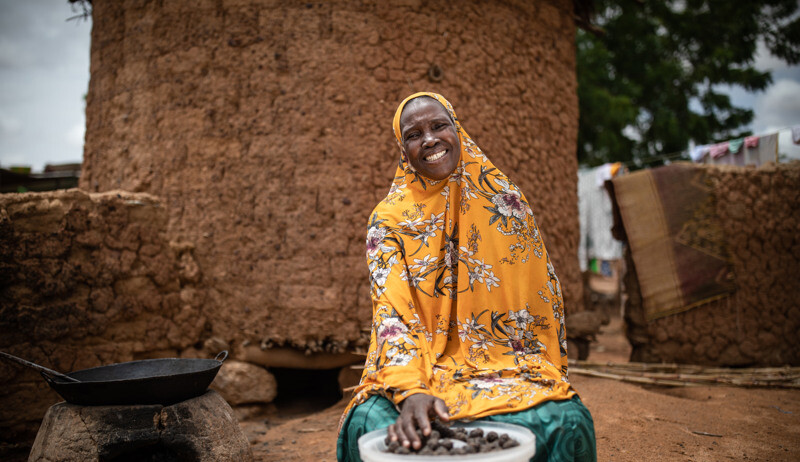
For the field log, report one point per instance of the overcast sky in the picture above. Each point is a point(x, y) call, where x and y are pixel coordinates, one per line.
point(44, 76)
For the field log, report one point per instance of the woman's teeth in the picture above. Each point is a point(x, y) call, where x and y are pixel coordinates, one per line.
point(435, 157)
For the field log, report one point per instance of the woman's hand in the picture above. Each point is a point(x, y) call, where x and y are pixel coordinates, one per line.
point(416, 411)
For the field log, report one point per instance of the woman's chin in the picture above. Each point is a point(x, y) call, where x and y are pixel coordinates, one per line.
point(440, 170)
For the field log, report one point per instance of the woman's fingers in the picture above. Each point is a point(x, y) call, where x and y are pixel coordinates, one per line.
point(421, 415)
point(392, 433)
point(401, 434)
point(416, 413)
point(441, 410)
point(404, 429)
point(411, 433)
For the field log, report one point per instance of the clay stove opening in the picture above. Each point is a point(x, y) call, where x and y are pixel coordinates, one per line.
point(306, 390)
point(158, 452)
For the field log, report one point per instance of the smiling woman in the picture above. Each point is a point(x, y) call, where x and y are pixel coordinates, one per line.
point(429, 138)
point(468, 316)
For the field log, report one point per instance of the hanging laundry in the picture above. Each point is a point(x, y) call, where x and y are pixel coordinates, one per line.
point(756, 150)
point(595, 215)
point(735, 145)
point(796, 134)
point(765, 151)
point(606, 172)
point(718, 150)
point(698, 152)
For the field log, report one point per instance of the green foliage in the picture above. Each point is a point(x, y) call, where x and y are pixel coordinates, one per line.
point(656, 72)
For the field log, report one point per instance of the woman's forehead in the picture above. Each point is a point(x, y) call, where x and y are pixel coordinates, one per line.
point(422, 108)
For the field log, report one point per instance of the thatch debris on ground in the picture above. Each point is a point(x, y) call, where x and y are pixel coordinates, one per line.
point(682, 375)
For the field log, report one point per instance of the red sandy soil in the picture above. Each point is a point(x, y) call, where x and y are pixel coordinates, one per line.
point(632, 422)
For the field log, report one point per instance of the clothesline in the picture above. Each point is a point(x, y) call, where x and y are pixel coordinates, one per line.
point(684, 153)
point(670, 156)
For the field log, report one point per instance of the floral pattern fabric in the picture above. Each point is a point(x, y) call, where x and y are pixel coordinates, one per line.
point(466, 304)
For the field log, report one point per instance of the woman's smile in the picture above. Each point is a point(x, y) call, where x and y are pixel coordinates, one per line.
point(435, 156)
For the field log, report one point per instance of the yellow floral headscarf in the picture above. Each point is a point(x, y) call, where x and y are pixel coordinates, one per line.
point(466, 305)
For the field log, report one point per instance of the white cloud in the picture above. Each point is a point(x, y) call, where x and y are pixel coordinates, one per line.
point(776, 109)
point(779, 106)
point(766, 61)
point(75, 134)
point(630, 132)
point(12, 55)
point(14, 159)
point(9, 125)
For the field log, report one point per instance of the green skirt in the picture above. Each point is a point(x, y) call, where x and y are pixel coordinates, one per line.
point(564, 429)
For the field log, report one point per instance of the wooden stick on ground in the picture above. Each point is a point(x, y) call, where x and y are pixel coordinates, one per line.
point(690, 375)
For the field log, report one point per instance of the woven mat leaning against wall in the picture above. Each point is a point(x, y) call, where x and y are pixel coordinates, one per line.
point(675, 238)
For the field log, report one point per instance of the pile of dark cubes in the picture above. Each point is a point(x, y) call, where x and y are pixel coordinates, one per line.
point(440, 442)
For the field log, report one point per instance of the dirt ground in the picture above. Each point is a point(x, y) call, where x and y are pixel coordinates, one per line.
point(632, 423)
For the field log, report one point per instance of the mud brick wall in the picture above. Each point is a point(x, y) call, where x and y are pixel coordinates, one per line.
point(266, 128)
point(759, 209)
point(86, 280)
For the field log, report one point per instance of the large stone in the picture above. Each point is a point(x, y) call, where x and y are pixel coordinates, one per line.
point(199, 429)
point(241, 382)
point(585, 324)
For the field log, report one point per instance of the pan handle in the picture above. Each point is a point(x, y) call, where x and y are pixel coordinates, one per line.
point(47, 378)
point(221, 356)
point(43, 370)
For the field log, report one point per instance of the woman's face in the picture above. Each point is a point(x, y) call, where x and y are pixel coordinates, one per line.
point(429, 138)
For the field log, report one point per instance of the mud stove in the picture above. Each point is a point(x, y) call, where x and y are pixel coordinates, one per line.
point(198, 429)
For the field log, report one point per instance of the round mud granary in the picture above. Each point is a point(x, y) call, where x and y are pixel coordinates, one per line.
point(265, 127)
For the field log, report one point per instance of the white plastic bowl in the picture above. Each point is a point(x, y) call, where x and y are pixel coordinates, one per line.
point(372, 447)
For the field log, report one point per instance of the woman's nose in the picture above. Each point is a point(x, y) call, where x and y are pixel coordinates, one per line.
point(428, 139)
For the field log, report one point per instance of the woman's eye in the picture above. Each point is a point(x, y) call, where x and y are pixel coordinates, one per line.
point(412, 136)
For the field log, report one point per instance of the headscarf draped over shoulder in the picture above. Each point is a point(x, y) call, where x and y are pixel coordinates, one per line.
point(466, 305)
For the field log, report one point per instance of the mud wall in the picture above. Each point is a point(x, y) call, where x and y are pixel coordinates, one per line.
point(86, 280)
point(759, 209)
point(265, 126)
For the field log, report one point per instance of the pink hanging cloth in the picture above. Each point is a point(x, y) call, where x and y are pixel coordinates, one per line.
point(718, 150)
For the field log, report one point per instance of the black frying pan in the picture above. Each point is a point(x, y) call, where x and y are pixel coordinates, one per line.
point(150, 381)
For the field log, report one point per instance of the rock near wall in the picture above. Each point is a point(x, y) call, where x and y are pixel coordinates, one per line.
point(266, 128)
point(87, 280)
point(759, 211)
